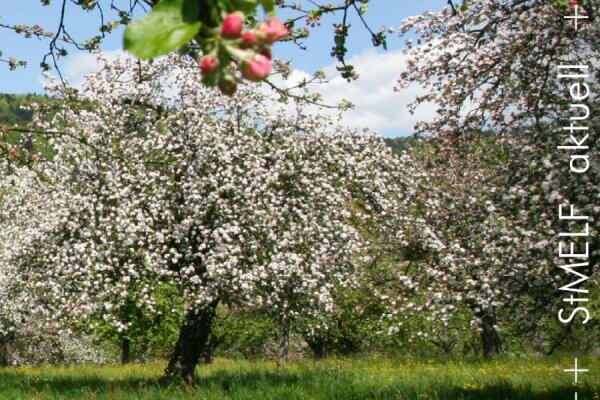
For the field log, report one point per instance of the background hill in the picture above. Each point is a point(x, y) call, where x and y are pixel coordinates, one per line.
point(11, 107)
point(13, 113)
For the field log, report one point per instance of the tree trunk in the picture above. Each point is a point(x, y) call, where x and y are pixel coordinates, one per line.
point(125, 351)
point(284, 341)
point(192, 342)
point(490, 338)
point(6, 350)
point(211, 344)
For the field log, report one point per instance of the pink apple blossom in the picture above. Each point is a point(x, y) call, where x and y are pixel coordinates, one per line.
point(208, 64)
point(273, 30)
point(232, 26)
point(248, 39)
point(257, 68)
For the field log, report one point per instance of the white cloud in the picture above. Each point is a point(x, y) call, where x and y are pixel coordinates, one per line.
point(83, 63)
point(77, 65)
point(376, 105)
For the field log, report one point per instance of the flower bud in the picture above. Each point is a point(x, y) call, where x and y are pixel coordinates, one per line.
point(208, 64)
point(267, 52)
point(13, 153)
point(232, 26)
point(272, 30)
point(248, 39)
point(256, 68)
point(228, 87)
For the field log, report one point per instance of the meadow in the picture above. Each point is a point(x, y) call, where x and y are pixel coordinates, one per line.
point(502, 379)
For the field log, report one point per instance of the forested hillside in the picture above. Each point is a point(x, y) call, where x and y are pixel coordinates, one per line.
point(12, 109)
point(401, 144)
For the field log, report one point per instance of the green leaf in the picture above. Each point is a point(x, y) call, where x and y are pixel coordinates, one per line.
point(248, 7)
point(168, 26)
point(364, 8)
point(269, 6)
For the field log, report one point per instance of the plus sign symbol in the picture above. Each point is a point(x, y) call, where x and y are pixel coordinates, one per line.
point(576, 370)
point(578, 15)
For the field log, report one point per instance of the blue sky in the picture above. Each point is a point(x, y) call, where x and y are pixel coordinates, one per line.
point(81, 25)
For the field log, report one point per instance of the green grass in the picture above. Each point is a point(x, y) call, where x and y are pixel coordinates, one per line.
point(505, 379)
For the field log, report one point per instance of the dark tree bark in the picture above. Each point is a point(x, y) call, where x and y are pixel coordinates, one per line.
point(191, 344)
point(564, 336)
point(490, 338)
point(6, 349)
point(125, 351)
point(284, 341)
point(211, 345)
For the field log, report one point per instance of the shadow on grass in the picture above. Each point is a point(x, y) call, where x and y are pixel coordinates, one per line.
point(261, 384)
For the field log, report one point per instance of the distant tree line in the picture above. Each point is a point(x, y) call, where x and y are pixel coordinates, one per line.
point(14, 108)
